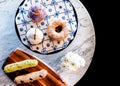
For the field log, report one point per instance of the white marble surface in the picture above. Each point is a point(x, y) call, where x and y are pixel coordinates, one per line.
point(84, 42)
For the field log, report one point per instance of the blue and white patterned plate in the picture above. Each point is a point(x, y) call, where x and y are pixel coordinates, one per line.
point(62, 9)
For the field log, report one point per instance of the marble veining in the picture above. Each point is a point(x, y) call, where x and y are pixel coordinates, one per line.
point(2, 1)
point(83, 43)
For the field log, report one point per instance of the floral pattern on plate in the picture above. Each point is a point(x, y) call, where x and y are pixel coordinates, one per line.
point(62, 9)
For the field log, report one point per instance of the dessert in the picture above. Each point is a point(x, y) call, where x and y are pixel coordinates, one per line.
point(27, 78)
point(37, 13)
point(40, 75)
point(34, 36)
point(20, 65)
point(58, 30)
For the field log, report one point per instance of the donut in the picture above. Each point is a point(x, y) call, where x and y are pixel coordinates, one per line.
point(20, 65)
point(37, 13)
point(58, 30)
point(31, 77)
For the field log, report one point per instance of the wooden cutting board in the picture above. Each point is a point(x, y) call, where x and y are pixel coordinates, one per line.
point(52, 79)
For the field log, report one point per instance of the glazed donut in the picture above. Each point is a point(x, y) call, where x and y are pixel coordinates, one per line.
point(58, 30)
point(20, 65)
point(31, 77)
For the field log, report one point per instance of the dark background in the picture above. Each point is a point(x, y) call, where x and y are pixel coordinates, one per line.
point(90, 77)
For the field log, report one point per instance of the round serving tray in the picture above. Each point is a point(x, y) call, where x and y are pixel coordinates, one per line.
point(83, 42)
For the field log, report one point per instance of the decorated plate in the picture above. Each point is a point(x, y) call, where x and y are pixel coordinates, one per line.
point(80, 41)
point(62, 9)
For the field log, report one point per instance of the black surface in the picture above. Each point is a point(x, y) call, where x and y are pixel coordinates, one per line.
point(90, 78)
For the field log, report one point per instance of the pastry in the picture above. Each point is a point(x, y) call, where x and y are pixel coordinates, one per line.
point(27, 78)
point(20, 65)
point(58, 30)
point(37, 13)
point(34, 36)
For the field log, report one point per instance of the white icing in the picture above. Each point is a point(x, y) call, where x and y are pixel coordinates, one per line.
point(34, 36)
